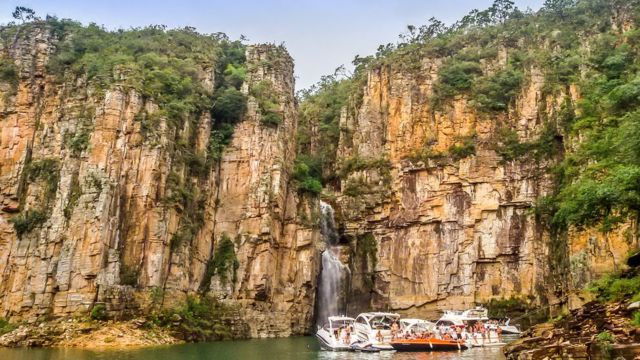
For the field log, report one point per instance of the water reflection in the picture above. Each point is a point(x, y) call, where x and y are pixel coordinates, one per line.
point(475, 353)
point(300, 348)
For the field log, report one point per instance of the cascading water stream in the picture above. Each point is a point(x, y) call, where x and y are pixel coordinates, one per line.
point(331, 293)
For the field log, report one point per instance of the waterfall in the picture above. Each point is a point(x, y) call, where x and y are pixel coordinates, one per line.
point(333, 274)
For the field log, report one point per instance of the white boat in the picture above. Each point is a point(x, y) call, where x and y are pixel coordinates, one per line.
point(332, 335)
point(367, 326)
point(469, 317)
point(446, 322)
point(490, 338)
point(465, 317)
point(507, 329)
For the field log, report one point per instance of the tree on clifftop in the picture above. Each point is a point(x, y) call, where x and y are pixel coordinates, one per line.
point(23, 14)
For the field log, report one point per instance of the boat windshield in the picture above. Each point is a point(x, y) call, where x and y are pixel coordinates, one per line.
point(476, 313)
point(417, 326)
point(381, 322)
point(340, 323)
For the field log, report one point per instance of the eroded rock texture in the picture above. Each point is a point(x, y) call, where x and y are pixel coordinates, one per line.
point(454, 231)
point(109, 235)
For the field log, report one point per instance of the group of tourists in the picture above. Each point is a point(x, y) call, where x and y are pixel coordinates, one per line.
point(343, 333)
point(476, 332)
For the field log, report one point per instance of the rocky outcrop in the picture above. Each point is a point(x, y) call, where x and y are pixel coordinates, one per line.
point(451, 231)
point(73, 333)
point(579, 336)
point(98, 226)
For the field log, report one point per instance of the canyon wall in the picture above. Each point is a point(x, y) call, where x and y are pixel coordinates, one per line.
point(98, 227)
point(451, 232)
point(105, 200)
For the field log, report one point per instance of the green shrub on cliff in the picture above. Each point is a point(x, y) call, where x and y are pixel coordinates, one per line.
point(454, 78)
point(617, 287)
point(99, 312)
point(73, 197)
point(28, 220)
point(510, 148)
point(367, 249)
point(225, 262)
point(220, 137)
point(319, 115)
point(229, 105)
point(464, 147)
point(46, 170)
point(356, 163)
point(268, 103)
point(496, 92)
point(9, 74)
point(306, 179)
point(163, 65)
point(636, 319)
point(199, 319)
point(6, 326)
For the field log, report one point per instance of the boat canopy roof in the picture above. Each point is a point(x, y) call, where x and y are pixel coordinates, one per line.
point(477, 313)
point(407, 324)
point(370, 315)
point(415, 321)
point(340, 318)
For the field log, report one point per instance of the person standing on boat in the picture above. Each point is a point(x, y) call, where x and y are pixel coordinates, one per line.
point(483, 332)
point(347, 335)
point(379, 337)
point(394, 330)
point(474, 333)
point(453, 332)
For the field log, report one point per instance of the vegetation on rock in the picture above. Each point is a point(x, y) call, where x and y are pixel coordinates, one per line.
point(99, 312)
point(618, 286)
point(224, 262)
point(267, 99)
point(199, 319)
point(6, 326)
point(367, 248)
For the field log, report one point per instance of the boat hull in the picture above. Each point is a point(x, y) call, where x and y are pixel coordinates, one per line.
point(327, 344)
point(510, 330)
point(428, 345)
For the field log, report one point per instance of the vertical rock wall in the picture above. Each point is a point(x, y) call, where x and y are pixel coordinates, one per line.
point(108, 233)
point(451, 233)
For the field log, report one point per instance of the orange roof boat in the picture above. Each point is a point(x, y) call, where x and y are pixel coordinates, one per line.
point(428, 344)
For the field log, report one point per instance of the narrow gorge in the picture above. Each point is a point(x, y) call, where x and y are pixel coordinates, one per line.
point(146, 169)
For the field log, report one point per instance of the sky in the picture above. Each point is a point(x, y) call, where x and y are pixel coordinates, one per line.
point(320, 34)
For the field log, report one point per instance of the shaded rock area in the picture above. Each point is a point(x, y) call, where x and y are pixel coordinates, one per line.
point(594, 331)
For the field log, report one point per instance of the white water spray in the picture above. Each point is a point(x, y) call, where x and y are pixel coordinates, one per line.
point(331, 293)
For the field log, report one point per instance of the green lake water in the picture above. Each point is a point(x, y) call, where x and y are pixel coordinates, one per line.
point(298, 348)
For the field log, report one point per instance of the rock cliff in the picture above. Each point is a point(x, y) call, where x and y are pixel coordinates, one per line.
point(438, 215)
point(451, 233)
point(100, 223)
point(136, 176)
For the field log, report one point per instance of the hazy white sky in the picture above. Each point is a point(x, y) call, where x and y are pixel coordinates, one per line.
point(320, 35)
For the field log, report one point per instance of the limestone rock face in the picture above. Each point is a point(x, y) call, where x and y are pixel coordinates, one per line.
point(453, 232)
point(108, 233)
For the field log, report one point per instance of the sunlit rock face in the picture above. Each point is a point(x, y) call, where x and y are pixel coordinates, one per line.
point(107, 238)
point(418, 235)
point(451, 233)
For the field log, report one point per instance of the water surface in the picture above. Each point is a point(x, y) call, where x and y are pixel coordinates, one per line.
point(296, 348)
